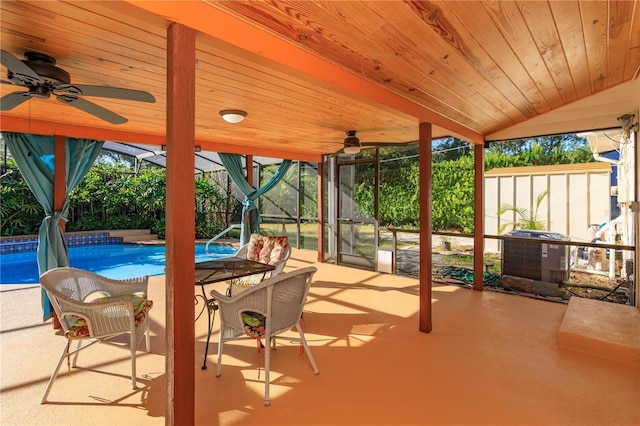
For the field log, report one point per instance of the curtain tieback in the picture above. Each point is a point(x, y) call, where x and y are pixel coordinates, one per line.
point(56, 216)
point(248, 204)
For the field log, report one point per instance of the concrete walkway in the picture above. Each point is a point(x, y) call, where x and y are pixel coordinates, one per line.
point(492, 359)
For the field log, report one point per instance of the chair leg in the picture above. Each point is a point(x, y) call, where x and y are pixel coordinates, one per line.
point(220, 344)
point(147, 342)
point(133, 342)
point(76, 352)
point(65, 351)
point(267, 365)
point(307, 350)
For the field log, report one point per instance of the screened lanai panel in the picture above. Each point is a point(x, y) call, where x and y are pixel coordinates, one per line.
point(279, 207)
point(282, 201)
point(291, 208)
point(205, 161)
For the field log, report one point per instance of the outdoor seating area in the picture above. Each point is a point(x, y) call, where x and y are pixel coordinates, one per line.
point(271, 250)
point(492, 358)
point(432, 96)
point(94, 309)
point(265, 311)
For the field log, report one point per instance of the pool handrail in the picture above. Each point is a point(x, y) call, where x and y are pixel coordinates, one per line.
point(206, 247)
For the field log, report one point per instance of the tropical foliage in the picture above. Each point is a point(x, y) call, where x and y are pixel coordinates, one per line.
point(111, 196)
point(20, 212)
point(524, 218)
point(453, 177)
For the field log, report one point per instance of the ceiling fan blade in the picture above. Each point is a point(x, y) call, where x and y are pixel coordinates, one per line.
point(383, 144)
point(106, 92)
point(19, 68)
point(12, 100)
point(93, 109)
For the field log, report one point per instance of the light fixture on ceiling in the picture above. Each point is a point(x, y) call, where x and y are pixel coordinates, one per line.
point(233, 115)
point(163, 149)
point(351, 143)
point(626, 121)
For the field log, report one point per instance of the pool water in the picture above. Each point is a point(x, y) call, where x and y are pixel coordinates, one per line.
point(111, 260)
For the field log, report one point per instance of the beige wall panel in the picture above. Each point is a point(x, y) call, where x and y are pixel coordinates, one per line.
point(522, 191)
point(575, 200)
point(579, 196)
point(600, 202)
point(506, 192)
point(558, 203)
point(491, 206)
point(539, 184)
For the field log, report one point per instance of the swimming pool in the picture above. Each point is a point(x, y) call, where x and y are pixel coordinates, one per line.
point(111, 260)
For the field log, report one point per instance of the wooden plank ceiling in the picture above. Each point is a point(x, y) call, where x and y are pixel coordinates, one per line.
point(308, 71)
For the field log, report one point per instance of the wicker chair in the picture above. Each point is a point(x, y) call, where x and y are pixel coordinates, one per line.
point(261, 248)
point(264, 311)
point(93, 308)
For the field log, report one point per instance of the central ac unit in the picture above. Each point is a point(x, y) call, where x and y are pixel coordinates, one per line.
point(542, 260)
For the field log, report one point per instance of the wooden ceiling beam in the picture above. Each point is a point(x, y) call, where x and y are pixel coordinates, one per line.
point(42, 127)
point(10, 123)
point(220, 25)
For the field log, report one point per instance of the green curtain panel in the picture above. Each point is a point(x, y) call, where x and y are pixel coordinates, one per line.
point(233, 164)
point(34, 156)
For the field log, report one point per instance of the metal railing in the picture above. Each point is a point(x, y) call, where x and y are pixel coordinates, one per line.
point(583, 257)
point(212, 240)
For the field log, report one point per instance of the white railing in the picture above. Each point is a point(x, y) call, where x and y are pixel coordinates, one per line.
point(226, 231)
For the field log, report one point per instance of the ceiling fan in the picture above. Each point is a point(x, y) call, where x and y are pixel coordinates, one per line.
point(353, 145)
point(37, 72)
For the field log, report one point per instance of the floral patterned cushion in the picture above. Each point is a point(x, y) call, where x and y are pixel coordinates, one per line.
point(254, 324)
point(255, 246)
point(79, 328)
point(273, 249)
point(266, 249)
point(250, 280)
point(263, 249)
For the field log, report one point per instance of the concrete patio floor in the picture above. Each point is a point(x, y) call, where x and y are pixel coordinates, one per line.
point(492, 359)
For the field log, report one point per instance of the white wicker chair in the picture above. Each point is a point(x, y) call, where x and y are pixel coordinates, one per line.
point(93, 308)
point(242, 284)
point(280, 300)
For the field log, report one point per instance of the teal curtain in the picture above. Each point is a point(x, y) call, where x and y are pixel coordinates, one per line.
point(34, 156)
point(233, 164)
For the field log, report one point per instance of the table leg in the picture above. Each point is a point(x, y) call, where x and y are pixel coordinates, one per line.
point(211, 316)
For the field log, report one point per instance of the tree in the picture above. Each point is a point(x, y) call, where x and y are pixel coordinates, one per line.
point(452, 194)
point(559, 149)
point(449, 149)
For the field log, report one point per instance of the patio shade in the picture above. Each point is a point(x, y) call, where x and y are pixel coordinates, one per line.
point(34, 156)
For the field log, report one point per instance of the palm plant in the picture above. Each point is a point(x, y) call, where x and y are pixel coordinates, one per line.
point(525, 219)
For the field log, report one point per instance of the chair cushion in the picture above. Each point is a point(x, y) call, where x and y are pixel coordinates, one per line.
point(79, 329)
point(273, 249)
point(255, 247)
point(267, 249)
point(249, 280)
point(254, 324)
point(263, 249)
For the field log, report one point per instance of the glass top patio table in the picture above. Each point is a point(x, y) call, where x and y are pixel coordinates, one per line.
point(225, 269)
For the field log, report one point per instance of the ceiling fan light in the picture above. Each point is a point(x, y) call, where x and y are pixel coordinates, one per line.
point(233, 115)
point(352, 150)
point(351, 143)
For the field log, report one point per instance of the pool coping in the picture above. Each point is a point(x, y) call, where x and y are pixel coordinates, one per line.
point(21, 243)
